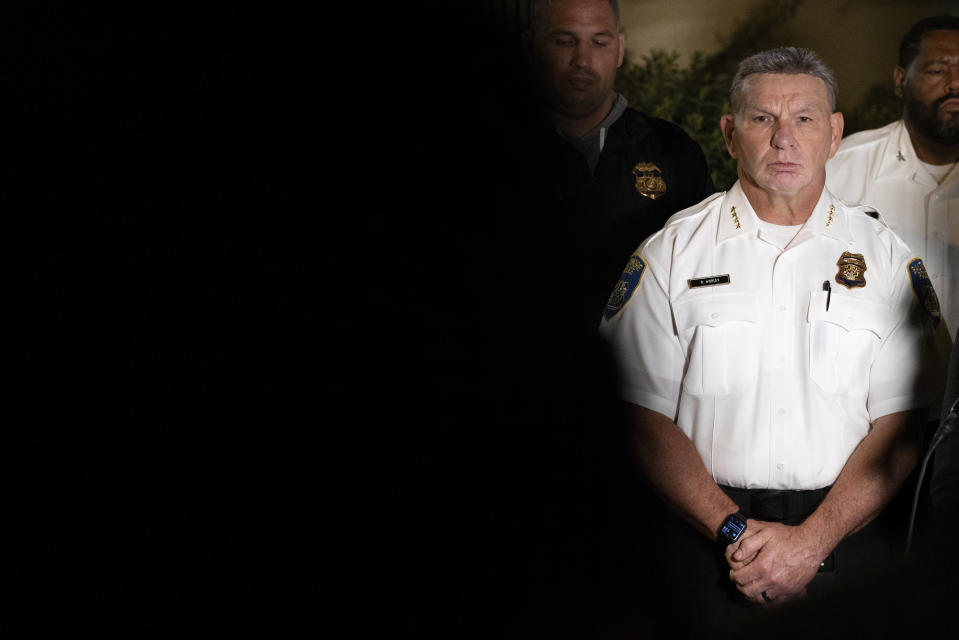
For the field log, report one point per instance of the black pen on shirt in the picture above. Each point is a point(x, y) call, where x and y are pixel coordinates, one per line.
point(828, 290)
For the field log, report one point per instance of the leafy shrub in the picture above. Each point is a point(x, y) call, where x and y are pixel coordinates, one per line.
point(690, 97)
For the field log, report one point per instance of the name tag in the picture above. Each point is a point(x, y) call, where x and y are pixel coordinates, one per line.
point(709, 281)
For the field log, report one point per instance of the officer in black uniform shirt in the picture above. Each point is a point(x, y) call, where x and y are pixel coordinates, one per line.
point(611, 175)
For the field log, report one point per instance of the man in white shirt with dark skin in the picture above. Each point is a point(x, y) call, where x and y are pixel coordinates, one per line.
point(761, 365)
point(907, 169)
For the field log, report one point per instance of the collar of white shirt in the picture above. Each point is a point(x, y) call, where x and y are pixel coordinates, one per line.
point(899, 162)
point(737, 218)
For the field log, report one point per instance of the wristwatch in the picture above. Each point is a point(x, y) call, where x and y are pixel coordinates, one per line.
point(733, 526)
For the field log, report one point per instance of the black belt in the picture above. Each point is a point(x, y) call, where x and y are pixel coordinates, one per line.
point(780, 505)
point(777, 505)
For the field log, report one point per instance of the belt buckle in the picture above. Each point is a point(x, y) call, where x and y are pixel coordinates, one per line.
point(785, 503)
point(765, 506)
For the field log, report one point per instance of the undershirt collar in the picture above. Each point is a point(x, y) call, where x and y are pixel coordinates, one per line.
point(777, 234)
point(938, 171)
point(591, 144)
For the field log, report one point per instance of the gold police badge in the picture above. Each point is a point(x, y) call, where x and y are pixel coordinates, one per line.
point(852, 270)
point(649, 180)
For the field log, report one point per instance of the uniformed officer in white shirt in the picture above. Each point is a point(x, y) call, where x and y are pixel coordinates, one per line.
point(771, 342)
point(907, 169)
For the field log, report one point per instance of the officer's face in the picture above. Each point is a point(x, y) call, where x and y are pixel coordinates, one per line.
point(577, 52)
point(930, 87)
point(783, 134)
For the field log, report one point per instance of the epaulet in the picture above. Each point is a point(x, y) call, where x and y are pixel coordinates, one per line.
point(698, 208)
point(864, 209)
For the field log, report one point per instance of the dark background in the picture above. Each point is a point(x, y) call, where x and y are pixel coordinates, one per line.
point(289, 352)
point(184, 254)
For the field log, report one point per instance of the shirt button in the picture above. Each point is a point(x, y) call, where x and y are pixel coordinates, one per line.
point(782, 307)
point(715, 316)
point(781, 412)
point(780, 466)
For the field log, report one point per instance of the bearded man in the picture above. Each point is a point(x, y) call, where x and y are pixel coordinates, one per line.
point(907, 169)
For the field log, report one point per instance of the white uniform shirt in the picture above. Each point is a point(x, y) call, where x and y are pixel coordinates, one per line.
point(879, 168)
point(729, 336)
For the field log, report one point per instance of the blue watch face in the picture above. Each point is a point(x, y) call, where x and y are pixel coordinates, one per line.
point(732, 527)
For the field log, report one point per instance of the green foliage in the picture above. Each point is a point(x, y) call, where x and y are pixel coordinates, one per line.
point(693, 97)
point(879, 107)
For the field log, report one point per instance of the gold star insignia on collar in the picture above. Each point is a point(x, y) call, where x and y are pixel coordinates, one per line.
point(732, 210)
point(832, 210)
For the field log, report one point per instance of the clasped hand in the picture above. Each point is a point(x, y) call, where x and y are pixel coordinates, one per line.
point(772, 559)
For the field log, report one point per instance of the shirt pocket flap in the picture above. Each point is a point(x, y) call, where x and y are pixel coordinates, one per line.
point(715, 310)
point(850, 313)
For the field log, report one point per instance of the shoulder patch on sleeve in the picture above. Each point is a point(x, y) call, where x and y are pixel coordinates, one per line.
point(922, 286)
point(626, 285)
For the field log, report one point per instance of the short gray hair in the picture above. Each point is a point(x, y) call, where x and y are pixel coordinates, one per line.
point(788, 60)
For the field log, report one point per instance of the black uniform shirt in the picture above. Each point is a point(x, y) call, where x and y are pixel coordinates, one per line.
point(648, 170)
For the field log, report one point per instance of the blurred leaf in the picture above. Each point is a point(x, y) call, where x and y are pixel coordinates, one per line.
point(879, 107)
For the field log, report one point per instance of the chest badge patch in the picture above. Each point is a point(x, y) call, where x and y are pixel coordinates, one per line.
point(626, 285)
point(852, 270)
point(922, 286)
point(649, 180)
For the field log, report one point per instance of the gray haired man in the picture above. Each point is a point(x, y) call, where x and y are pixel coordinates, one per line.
point(772, 342)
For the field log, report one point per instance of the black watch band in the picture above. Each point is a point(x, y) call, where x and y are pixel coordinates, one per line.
point(732, 528)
